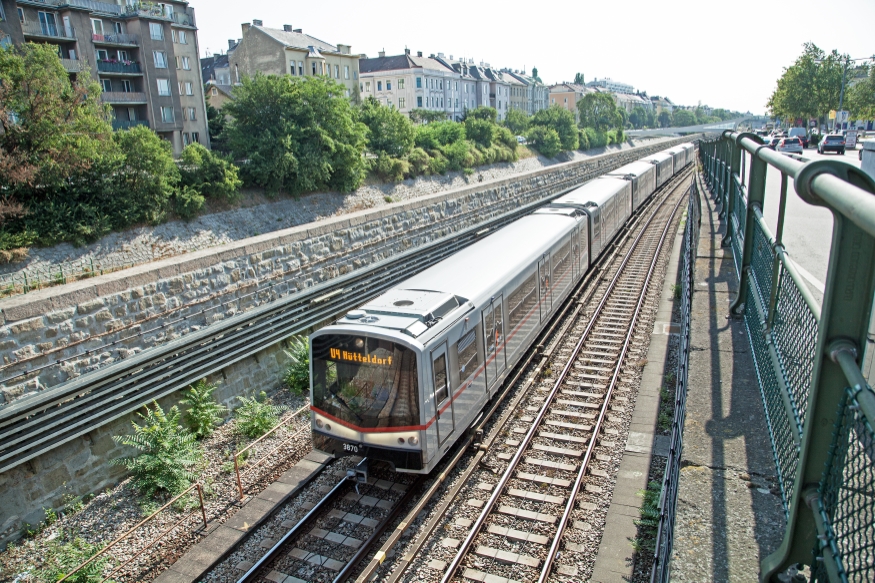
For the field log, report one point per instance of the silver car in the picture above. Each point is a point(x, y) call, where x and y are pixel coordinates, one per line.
point(789, 146)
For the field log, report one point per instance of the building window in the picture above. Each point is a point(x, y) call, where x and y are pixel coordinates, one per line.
point(313, 67)
point(167, 114)
point(379, 85)
point(123, 56)
point(401, 103)
point(189, 88)
point(160, 59)
point(419, 82)
point(196, 137)
point(388, 86)
point(175, 35)
point(368, 86)
point(337, 71)
point(156, 31)
point(457, 85)
point(183, 38)
point(177, 63)
point(185, 139)
point(21, 16)
point(419, 101)
point(179, 87)
point(127, 86)
point(346, 71)
point(97, 26)
point(400, 83)
point(355, 74)
point(457, 103)
point(301, 68)
point(106, 85)
point(192, 114)
point(293, 67)
point(117, 26)
point(186, 64)
point(102, 55)
point(215, 91)
point(164, 87)
point(184, 115)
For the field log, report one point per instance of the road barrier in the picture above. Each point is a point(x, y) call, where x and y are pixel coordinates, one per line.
point(819, 408)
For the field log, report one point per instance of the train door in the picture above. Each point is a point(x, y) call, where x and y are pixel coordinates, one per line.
point(493, 339)
point(545, 282)
point(575, 254)
point(443, 404)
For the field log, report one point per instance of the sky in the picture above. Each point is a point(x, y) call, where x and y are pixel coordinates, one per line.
point(722, 54)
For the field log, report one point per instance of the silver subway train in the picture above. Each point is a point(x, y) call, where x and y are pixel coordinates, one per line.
point(402, 377)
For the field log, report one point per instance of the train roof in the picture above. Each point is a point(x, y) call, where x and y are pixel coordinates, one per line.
point(465, 279)
point(594, 191)
point(633, 169)
point(658, 157)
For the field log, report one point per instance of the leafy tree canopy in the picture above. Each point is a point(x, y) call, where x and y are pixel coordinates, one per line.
point(489, 114)
point(664, 118)
point(861, 95)
point(598, 111)
point(810, 87)
point(427, 116)
point(578, 79)
point(517, 121)
point(389, 130)
point(684, 117)
point(562, 121)
point(638, 117)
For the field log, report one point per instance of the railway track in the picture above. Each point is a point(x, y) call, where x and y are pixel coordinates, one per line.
point(339, 533)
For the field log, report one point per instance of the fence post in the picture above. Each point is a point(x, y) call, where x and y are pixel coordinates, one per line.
point(847, 304)
point(731, 168)
point(756, 193)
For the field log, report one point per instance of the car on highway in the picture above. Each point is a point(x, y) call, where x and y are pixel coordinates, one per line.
point(771, 141)
point(832, 143)
point(800, 133)
point(789, 146)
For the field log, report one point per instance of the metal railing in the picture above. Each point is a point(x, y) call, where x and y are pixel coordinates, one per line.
point(72, 65)
point(116, 38)
point(669, 496)
point(48, 30)
point(807, 356)
point(123, 97)
point(124, 124)
point(122, 68)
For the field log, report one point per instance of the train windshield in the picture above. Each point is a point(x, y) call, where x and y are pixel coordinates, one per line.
point(367, 382)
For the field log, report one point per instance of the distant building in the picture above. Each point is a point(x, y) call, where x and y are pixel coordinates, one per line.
point(144, 55)
point(661, 104)
point(218, 94)
point(289, 51)
point(473, 83)
point(537, 95)
point(216, 68)
point(611, 85)
point(567, 95)
point(631, 101)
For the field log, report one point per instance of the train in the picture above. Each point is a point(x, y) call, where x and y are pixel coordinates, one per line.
point(401, 378)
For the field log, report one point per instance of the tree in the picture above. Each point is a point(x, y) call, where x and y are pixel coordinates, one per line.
point(389, 130)
point(427, 116)
point(638, 117)
point(148, 175)
point(216, 123)
point(297, 134)
point(861, 96)
point(489, 114)
point(535, 75)
point(810, 87)
point(683, 118)
point(545, 140)
point(517, 121)
point(664, 118)
point(578, 79)
point(562, 121)
point(597, 111)
point(208, 173)
point(480, 131)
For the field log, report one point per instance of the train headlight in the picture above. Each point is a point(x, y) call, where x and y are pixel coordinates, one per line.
point(327, 427)
point(319, 423)
point(413, 440)
point(401, 440)
point(359, 343)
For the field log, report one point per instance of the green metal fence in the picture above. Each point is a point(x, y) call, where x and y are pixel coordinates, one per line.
point(819, 408)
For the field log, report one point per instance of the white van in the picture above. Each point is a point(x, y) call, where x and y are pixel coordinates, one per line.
point(800, 133)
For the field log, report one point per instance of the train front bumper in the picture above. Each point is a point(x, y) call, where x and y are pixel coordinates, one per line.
point(403, 460)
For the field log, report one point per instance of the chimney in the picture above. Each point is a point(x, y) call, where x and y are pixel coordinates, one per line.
point(381, 54)
point(406, 51)
point(441, 55)
point(257, 23)
point(299, 30)
point(287, 28)
point(418, 53)
point(451, 57)
point(245, 27)
point(344, 49)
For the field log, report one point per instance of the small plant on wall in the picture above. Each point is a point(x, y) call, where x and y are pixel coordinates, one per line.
point(297, 376)
point(204, 413)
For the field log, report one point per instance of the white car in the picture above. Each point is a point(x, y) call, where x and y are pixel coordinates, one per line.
point(521, 140)
point(789, 146)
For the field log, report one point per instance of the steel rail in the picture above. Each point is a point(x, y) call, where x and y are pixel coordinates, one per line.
point(572, 498)
point(424, 533)
point(32, 426)
point(530, 434)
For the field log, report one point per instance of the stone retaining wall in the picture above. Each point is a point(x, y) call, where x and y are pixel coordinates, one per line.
point(92, 323)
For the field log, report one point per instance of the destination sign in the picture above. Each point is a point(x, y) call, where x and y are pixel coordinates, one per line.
point(357, 357)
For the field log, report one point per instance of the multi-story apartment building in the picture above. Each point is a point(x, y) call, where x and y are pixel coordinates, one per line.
point(217, 69)
point(567, 95)
point(517, 98)
point(291, 52)
point(143, 54)
point(611, 85)
point(473, 85)
point(409, 82)
point(537, 95)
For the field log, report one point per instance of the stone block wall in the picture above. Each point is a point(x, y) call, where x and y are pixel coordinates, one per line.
point(57, 334)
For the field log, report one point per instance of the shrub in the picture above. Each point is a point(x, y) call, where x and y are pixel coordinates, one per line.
point(583, 141)
point(480, 131)
point(204, 413)
point(517, 121)
point(59, 558)
point(297, 377)
point(255, 416)
point(562, 121)
point(596, 139)
point(506, 138)
point(187, 203)
point(489, 114)
point(149, 175)
point(168, 454)
point(545, 140)
point(389, 130)
point(458, 155)
point(209, 174)
point(438, 163)
point(620, 136)
point(389, 168)
point(419, 160)
point(440, 133)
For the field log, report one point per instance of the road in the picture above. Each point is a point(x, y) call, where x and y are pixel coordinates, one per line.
point(807, 229)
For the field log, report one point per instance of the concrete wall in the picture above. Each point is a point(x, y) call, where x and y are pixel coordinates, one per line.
point(95, 322)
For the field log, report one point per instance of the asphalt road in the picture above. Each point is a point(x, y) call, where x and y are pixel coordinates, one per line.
point(807, 229)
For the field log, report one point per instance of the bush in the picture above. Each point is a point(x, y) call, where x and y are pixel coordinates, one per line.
point(489, 114)
point(389, 130)
point(204, 413)
point(187, 203)
point(297, 377)
point(480, 131)
point(458, 155)
point(255, 416)
point(506, 138)
point(517, 121)
point(562, 121)
point(59, 558)
point(438, 163)
point(545, 140)
point(440, 133)
point(583, 141)
point(168, 454)
point(209, 174)
point(596, 139)
point(419, 160)
point(388, 168)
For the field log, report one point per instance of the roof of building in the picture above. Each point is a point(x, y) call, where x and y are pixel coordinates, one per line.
point(400, 62)
point(573, 87)
point(296, 40)
point(210, 64)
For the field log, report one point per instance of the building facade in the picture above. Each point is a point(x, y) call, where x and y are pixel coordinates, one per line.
point(537, 95)
point(611, 85)
point(567, 95)
point(143, 55)
point(217, 69)
point(473, 86)
point(288, 51)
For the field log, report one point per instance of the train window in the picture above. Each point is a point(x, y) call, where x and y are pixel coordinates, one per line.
point(468, 361)
point(563, 263)
point(522, 301)
point(440, 379)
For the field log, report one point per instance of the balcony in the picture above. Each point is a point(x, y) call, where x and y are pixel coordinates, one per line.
point(102, 7)
point(50, 31)
point(72, 65)
point(116, 39)
point(183, 18)
point(119, 68)
point(124, 97)
point(123, 124)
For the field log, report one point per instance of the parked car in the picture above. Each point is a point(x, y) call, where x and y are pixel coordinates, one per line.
point(800, 133)
point(789, 146)
point(832, 143)
point(771, 141)
point(521, 140)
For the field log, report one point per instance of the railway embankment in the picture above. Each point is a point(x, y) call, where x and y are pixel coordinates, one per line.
point(54, 335)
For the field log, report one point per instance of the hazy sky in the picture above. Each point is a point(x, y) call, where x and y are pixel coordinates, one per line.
point(724, 54)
